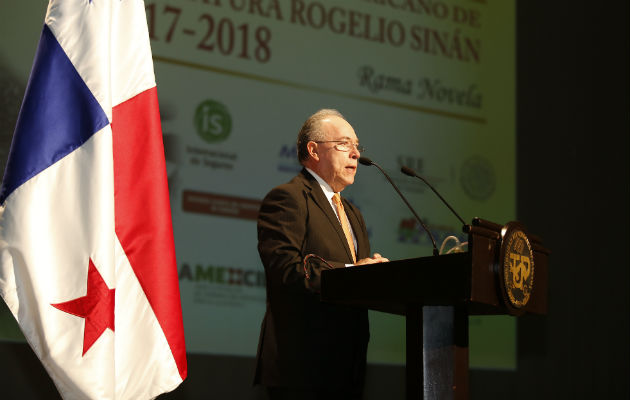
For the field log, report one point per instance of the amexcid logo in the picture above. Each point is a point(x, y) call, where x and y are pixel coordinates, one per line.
point(221, 275)
point(212, 121)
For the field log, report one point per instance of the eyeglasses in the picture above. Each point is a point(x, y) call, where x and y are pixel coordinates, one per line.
point(344, 145)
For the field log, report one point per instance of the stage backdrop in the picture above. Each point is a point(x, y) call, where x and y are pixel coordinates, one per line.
point(429, 84)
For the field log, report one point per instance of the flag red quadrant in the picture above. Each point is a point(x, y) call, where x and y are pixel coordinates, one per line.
point(141, 194)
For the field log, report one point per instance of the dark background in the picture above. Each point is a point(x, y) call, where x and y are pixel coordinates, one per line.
point(573, 189)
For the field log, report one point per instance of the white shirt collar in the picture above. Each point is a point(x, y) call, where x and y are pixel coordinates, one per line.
point(328, 192)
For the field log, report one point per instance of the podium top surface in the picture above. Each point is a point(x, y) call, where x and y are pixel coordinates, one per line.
point(392, 286)
point(493, 277)
point(445, 280)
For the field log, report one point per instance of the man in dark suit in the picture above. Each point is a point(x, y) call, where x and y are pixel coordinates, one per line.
point(308, 349)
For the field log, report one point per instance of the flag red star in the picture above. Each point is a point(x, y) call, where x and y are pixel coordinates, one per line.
point(97, 307)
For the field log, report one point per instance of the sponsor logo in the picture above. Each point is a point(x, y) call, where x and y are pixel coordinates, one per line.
point(478, 178)
point(222, 286)
point(212, 121)
point(216, 204)
point(287, 159)
point(213, 159)
point(406, 183)
point(221, 275)
point(415, 163)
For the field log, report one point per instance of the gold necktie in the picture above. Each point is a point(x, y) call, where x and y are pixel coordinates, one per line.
point(344, 224)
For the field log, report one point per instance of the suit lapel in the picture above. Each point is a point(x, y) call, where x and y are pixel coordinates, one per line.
point(322, 202)
point(357, 228)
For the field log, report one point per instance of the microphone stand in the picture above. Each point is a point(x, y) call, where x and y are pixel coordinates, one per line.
point(367, 161)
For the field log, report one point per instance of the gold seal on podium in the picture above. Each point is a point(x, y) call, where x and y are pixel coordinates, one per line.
point(517, 266)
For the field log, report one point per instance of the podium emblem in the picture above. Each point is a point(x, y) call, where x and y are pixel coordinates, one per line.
point(517, 266)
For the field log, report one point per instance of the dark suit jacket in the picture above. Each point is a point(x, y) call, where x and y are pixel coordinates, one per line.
point(305, 343)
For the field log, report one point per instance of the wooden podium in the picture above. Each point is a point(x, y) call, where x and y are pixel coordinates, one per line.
point(504, 271)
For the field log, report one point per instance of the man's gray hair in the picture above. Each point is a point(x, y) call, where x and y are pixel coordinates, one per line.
point(311, 131)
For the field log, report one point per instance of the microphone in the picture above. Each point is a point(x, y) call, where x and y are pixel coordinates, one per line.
point(367, 161)
point(408, 171)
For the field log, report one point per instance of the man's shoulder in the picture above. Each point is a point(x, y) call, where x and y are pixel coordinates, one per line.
point(299, 182)
point(296, 185)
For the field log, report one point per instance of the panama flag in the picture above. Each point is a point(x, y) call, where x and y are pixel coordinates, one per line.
point(87, 259)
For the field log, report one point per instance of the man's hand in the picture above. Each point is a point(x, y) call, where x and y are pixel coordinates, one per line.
point(376, 258)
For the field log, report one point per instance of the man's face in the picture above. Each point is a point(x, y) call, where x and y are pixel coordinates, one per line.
point(337, 167)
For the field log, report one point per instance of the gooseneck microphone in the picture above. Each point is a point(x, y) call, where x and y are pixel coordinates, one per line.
point(408, 171)
point(367, 161)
